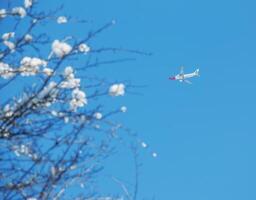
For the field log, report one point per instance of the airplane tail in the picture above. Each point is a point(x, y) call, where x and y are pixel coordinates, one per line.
point(197, 72)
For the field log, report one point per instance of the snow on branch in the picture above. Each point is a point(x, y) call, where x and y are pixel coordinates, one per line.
point(55, 127)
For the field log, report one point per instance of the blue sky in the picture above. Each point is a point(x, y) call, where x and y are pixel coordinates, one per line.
point(204, 133)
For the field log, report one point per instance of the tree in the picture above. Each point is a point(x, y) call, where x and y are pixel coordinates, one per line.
point(55, 128)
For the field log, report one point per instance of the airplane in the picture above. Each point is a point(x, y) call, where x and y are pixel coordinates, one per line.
point(182, 77)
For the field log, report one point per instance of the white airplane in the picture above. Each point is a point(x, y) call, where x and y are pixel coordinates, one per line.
point(183, 77)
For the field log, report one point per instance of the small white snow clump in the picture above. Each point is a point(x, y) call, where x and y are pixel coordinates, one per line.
point(78, 99)
point(48, 71)
point(2, 13)
point(70, 80)
point(117, 90)
point(97, 115)
point(54, 113)
point(62, 20)
point(28, 3)
point(5, 71)
point(69, 72)
point(144, 145)
point(84, 48)
point(8, 110)
point(28, 38)
point(123, 109)
point(19, 11)
point(10, 45)
point(70, 83)
point(60, 49)
point(21, 150)
point(7, 36)
point(154, 154)
point(30, 66)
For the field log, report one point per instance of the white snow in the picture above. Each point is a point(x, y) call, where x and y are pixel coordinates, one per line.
point(62, 20)
point(28, 38)
point(78, 99)
point(123, 109)
point(19, 11)
point(7, 36)
point(60, 49)
point(2, 13)
point(117, 90)
point(30, 66)
point(10, 45)
point(28, 3)
point(84, 48)
point(97, 115)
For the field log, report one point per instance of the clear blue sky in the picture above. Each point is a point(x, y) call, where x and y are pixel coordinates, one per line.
point(204, 133)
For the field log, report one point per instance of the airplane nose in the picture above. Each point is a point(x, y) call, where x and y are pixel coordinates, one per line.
point(171, 78)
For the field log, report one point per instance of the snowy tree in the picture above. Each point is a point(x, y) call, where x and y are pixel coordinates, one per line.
point(55, 128)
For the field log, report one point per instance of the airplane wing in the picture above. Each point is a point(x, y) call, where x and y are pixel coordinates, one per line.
point(187, 81)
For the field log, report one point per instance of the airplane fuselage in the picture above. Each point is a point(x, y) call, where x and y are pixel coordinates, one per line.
point(181, 77)
point(185, 76)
